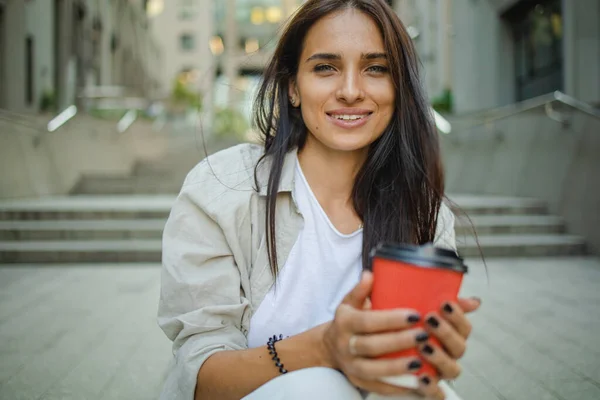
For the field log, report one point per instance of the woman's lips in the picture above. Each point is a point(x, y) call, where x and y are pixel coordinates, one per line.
point(349, 123)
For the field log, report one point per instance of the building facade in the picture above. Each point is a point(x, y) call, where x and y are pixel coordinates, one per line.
point(218, 48)
point(508, 50)
point(51, 50)
point(183, 29)
point(490, 53)
point(429, 24)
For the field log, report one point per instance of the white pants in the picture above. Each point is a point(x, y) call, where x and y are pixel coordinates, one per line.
point(321, 384)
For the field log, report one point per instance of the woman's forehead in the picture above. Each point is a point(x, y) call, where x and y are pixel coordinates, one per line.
point(344, 32)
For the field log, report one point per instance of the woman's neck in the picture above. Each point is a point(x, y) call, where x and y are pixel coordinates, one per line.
point(330, 173)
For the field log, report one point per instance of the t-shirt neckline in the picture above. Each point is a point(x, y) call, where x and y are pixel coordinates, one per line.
point(321, 211)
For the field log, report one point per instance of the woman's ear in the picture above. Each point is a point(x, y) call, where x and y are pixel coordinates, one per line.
point(294, 96)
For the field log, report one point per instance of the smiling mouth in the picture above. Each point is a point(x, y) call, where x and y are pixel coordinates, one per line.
point(349, 117)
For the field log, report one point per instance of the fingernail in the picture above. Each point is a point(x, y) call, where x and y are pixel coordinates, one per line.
point(414, 318)
point(422, 337)
point(448, 308)
point(433, 322)
point(426, 381)
point(427, 349)
point(414, 365)
point(477, 299)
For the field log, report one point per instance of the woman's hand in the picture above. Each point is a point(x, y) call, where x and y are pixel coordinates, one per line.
point(357, 335)
point(451, 327)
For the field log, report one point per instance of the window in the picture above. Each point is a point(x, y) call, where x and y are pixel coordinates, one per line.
point(187, 42)
point(537, 35)
point(29, 70)
point(187, 9)
point(2, 56)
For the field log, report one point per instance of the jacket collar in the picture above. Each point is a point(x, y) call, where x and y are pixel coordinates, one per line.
point(288, 173)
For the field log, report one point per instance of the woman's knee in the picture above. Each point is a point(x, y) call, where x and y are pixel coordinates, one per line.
point(310, 383)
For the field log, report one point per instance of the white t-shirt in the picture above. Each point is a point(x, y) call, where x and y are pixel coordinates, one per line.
point(323, 266)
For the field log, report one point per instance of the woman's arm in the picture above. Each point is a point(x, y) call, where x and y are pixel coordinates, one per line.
point(203, 306)
point(235, 374)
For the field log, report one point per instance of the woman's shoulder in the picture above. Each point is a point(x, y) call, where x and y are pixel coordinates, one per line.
point(226, 173)
point(444, 235)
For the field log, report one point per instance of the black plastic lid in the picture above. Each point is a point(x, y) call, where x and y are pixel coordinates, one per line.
point(427, 256)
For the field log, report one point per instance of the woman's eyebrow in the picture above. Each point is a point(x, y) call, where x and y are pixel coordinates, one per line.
point(337, 57)
point(373, 56)
point(324, 56)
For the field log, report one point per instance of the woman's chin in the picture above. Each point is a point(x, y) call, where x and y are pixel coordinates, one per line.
point(344, 141)
point(349, 144)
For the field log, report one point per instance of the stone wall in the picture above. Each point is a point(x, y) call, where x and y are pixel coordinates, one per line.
point(36, 163)
point(531, 155)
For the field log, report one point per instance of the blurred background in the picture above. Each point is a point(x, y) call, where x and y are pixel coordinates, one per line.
point(105, 105)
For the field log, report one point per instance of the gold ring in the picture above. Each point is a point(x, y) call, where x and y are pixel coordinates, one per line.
point(352, 345)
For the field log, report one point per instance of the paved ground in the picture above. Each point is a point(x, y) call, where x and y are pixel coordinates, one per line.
point(89, 332)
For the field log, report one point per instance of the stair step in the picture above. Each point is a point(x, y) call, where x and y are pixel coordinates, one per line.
point(492, 205)
point(129, 229)
point(82, 251)
point(88, 208)
point(152, 228)
point(521, 245)
point(81, 229)
point(510, 224)
point(128, 185)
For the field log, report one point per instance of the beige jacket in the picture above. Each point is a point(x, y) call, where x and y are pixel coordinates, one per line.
point(215, 266)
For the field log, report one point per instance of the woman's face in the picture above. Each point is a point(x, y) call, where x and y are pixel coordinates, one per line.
point(343, 85)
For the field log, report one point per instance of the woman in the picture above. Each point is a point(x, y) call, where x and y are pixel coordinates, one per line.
point(272, 240)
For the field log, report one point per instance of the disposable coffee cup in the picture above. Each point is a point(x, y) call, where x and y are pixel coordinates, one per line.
point(421, 278)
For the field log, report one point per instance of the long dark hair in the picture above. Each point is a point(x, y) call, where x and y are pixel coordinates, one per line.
point(399, 189)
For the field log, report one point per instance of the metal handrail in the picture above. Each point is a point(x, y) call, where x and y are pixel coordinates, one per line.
point(442, 124)
point(51, 126)
point(546, 101)
point(21, 120)
point(62, 118)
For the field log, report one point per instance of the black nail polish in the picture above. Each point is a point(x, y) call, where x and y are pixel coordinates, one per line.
point(426, 381)
point(422, 337)
point(414, 365)
point(448, 308)
point(427, 349)
point(413, 319)
point(433, 322)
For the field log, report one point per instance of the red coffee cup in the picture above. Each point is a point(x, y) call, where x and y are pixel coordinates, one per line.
point(415, 277)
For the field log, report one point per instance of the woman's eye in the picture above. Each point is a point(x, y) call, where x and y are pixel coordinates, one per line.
point(379, 69)
point(323, 68)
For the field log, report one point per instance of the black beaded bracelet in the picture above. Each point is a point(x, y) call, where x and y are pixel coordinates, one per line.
point(271, 346)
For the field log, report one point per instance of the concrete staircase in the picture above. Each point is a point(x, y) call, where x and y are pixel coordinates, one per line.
point(511, 227)
point(118, 229)
point(153, 178)
point(83, 229)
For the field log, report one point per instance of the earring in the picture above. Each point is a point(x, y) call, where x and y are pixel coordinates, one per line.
point(293, 101)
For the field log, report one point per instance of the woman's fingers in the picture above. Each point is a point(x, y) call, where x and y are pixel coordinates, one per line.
point(373, 369)
point(454, 314)
point(375, 321)
point(469, 305)
point(358, 295)
point(448, 336)
point(428, 386)
point(368, 305)
point(446, 365)
point(389, 342)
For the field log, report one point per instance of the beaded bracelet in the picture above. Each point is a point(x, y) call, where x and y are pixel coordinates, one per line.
point(271, 346)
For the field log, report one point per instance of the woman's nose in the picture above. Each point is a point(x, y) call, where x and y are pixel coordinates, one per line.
point(350, 90)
